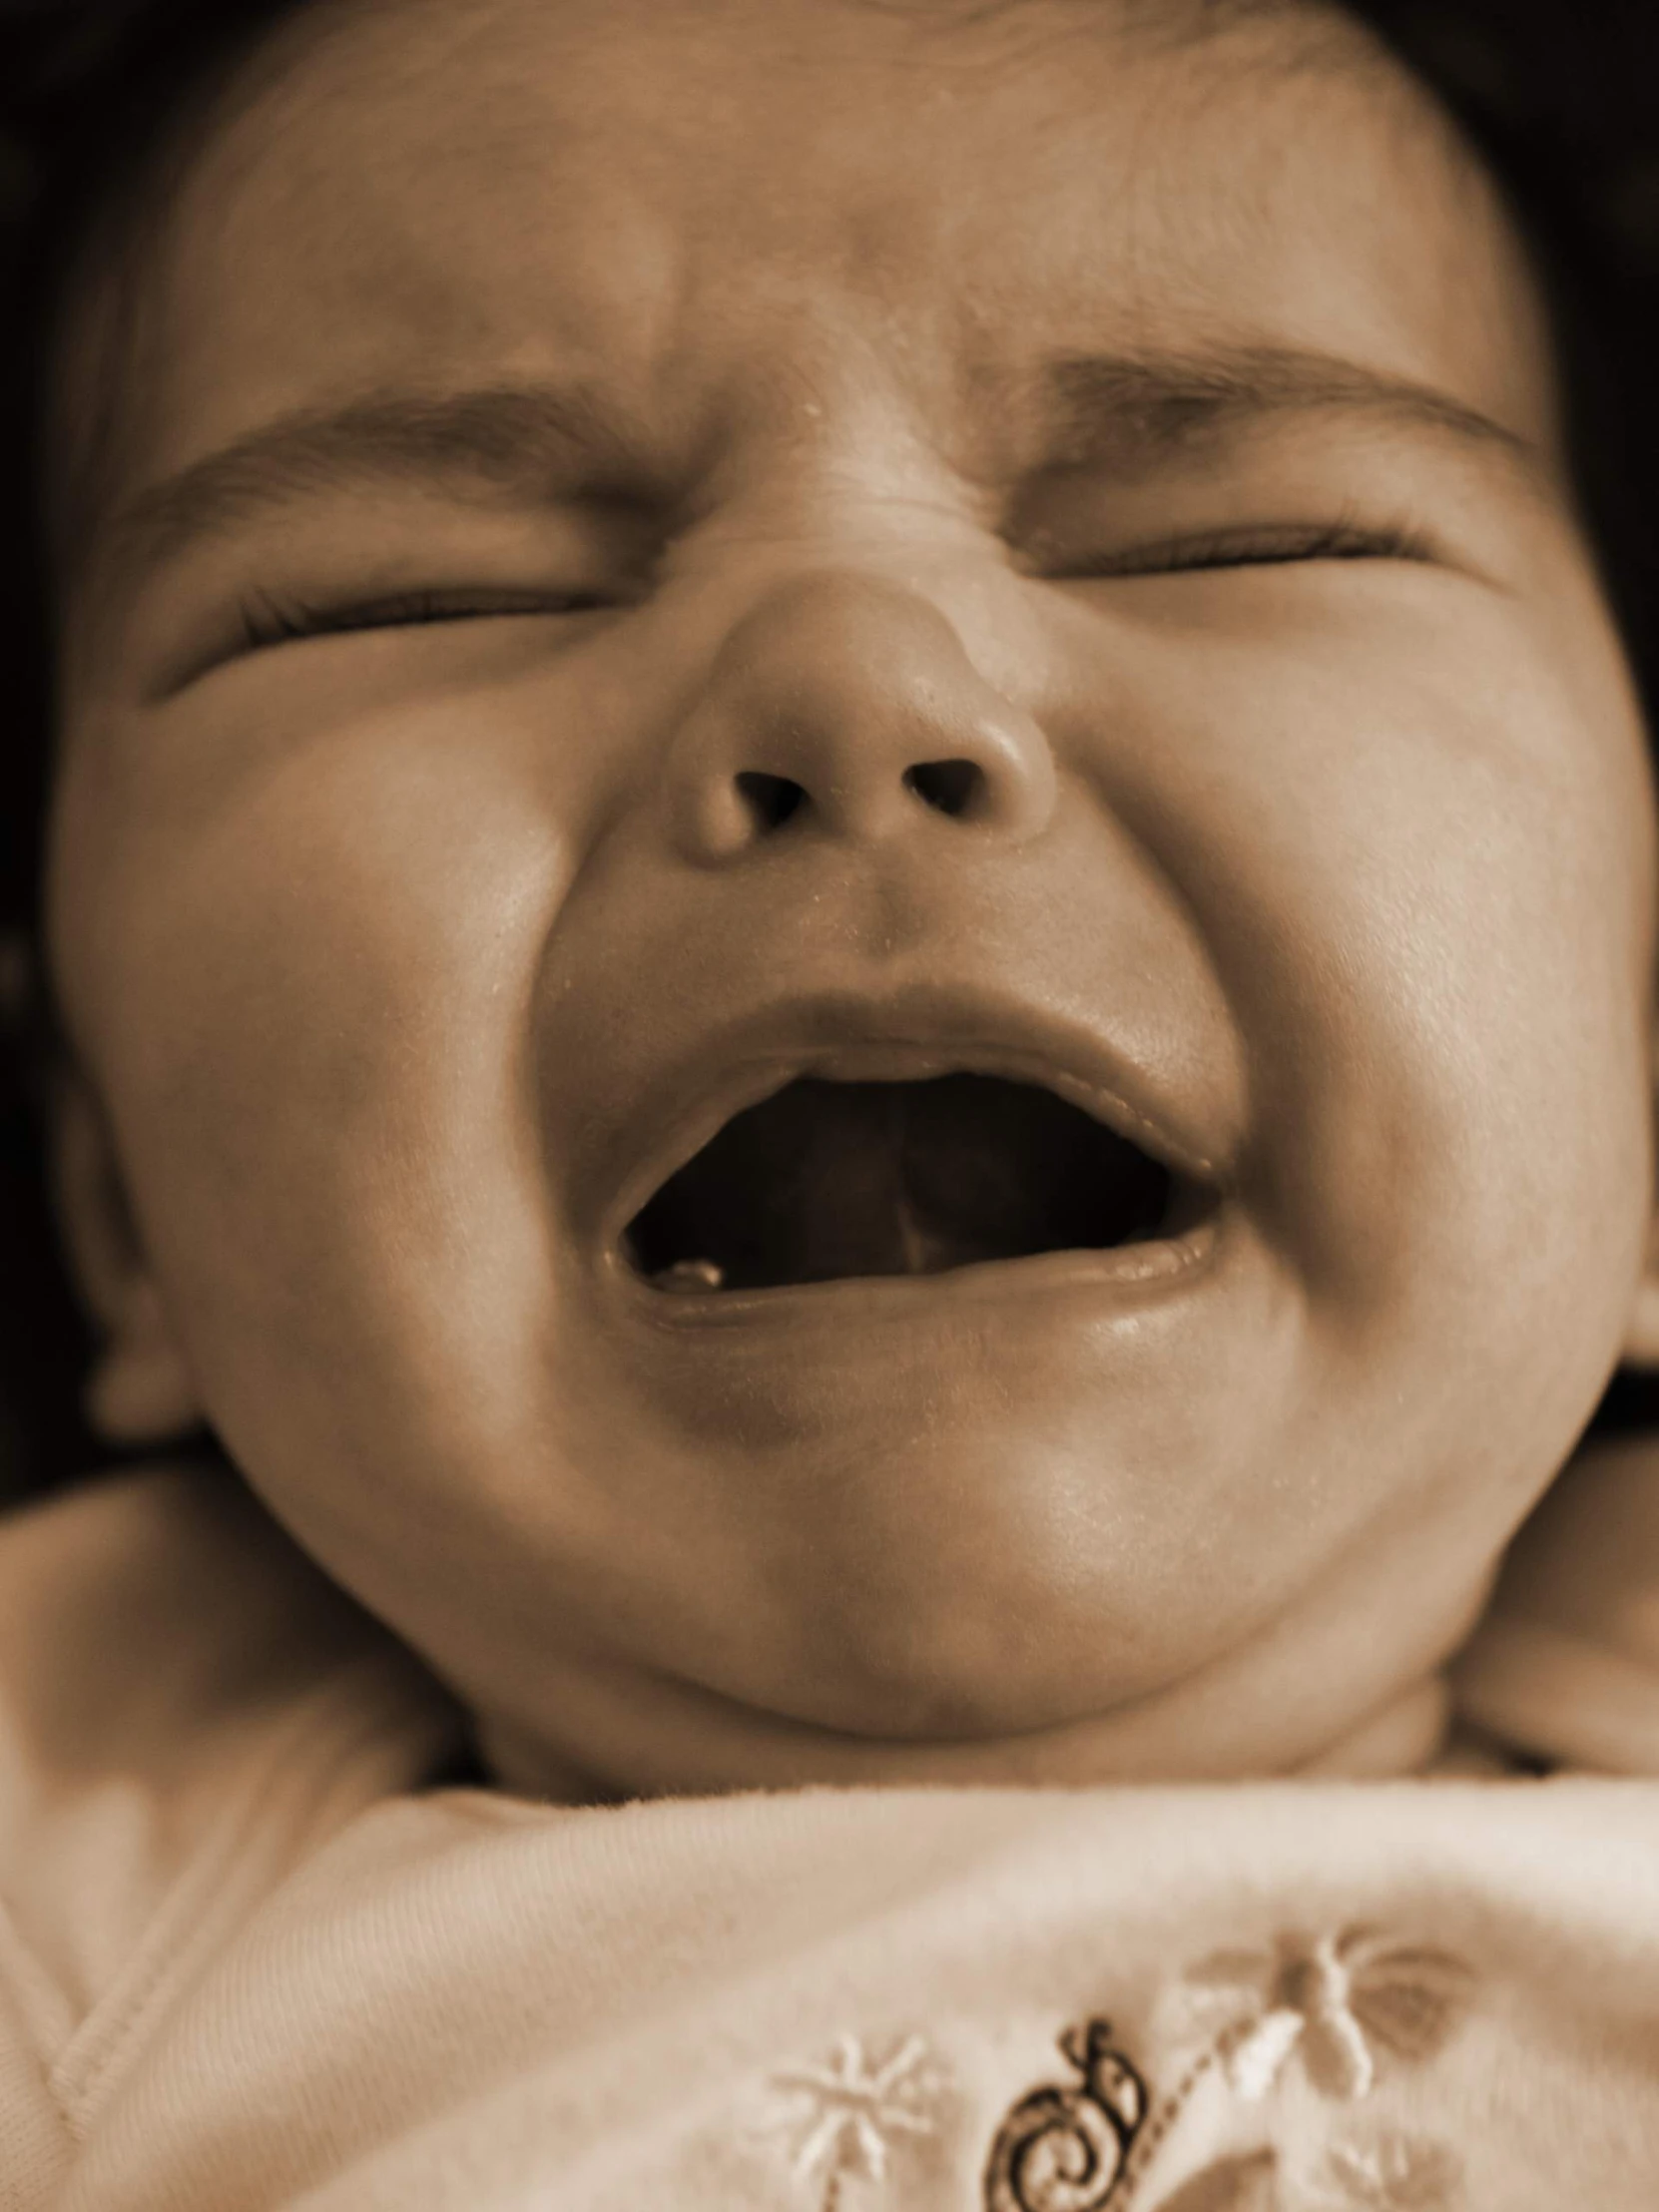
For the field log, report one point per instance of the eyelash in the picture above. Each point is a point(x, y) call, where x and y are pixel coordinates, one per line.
point(267, 620)
point(1341, 540)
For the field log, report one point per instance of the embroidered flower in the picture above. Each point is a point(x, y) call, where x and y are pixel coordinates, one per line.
point(1242, 2184)
point(846, 2115)
point(1334, 2004)
point(1397, 2173)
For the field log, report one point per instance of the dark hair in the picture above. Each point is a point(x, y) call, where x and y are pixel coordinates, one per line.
point(1561, 98)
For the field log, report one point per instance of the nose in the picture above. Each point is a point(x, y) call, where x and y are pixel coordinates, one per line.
point(847, 703)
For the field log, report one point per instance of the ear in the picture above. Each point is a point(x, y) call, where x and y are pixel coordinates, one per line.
point(141, 1391)
point(1641, 1341)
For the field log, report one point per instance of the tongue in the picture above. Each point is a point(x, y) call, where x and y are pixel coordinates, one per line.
point(838, 1181)
point(831, 1180)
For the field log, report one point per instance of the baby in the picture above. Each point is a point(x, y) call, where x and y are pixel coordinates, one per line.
point(853, 895)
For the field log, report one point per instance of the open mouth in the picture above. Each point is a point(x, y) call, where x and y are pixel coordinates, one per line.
point(828, 1181)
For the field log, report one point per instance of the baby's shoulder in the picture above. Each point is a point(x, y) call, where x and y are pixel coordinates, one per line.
point(1565, 1664)
point(186, 1707)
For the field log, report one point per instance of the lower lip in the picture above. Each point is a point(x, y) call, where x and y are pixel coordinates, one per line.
point(1126, 1275)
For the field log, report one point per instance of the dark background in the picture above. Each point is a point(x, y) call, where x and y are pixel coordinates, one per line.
point(43, 1345)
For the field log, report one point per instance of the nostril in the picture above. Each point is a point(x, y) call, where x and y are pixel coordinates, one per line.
point(948, 787)
point(771, 800)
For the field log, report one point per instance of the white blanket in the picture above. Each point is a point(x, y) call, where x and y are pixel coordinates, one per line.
point(252, 1963)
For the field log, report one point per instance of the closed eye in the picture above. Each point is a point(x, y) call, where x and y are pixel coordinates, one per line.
point(1258, 548)
point(267, 620)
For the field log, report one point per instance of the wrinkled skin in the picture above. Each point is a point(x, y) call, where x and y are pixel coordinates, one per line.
point(400, 963)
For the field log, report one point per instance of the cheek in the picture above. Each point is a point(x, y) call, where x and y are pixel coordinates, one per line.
point(1427, 893)
point(310, 1000)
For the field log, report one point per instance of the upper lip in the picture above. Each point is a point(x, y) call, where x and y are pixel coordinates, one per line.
point(909, 1034)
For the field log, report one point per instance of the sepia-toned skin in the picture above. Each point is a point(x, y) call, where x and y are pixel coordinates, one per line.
point(401, 963)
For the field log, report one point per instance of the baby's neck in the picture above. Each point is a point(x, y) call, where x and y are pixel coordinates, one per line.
point(1329, 1702)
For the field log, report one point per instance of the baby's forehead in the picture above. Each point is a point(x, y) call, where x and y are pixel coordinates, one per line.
point(829, 126)
point(783, 213)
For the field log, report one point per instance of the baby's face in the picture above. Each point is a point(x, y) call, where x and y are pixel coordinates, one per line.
point(678, 556)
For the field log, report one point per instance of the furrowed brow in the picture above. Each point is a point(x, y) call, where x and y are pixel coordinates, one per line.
point(1135, 412)
point(520, 443)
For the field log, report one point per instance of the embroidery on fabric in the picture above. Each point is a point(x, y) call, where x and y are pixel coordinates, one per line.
point(1390, 2173)
point(1247, 2184)
point(1336, 2004)
point(1339, 2008)
point(1394, 2173)
point(844, 2117)
point(1066, 2150)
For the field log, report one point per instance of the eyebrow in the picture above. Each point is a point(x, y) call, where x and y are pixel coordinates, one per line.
point(1133, 413)
point(1127, 413)
point(523, 442)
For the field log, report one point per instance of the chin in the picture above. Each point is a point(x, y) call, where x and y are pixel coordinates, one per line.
point(977, 1587)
